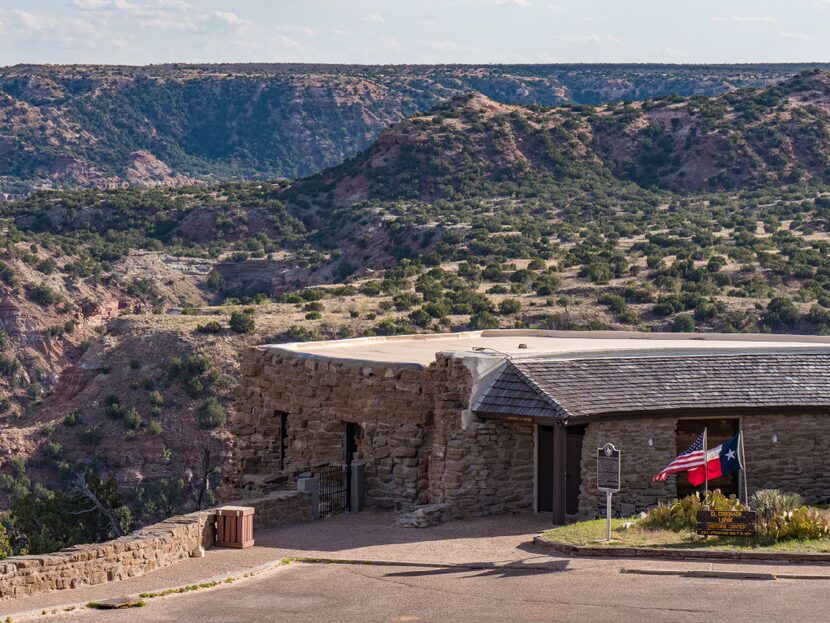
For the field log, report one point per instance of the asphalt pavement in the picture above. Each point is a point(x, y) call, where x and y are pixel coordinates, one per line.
point(598, 593)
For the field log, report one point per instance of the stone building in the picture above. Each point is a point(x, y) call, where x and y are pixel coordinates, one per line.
point(497, 421)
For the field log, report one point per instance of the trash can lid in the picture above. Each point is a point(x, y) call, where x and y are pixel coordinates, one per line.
point(235, 510)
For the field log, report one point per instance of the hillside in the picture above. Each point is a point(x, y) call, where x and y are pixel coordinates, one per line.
point(474, 146)
point(172, 125)
point(124, 310)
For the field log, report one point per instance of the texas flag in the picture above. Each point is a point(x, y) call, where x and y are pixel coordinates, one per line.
point(720, 461)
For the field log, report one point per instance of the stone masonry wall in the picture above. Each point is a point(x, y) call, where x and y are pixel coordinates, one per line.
point(139, 552)
point(393, 405)
point(639, 462)
point(487, 468)
point(798, 462)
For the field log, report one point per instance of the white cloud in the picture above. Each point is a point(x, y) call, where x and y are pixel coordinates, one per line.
point(301, 30)
point(519, 3)
point(30, 21)
point(764, 19)
point(287, 43)
point(798, 36)
point(153, 6)
point(822, 4)
point(168, 24)
point(231, 19)
point(390, 42)
point(91, 5)
point(447, 46)
point(374, 18)
point(593, 39)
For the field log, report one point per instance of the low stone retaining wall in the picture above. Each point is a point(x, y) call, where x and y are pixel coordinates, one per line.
point(139, 552)
point(278, 509)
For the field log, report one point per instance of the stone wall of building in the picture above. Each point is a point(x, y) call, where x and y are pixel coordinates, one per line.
point(413, 442)
point(487, 467)
point(139, 552)
point(799, 461)
point(392, 404)
point(638, 463)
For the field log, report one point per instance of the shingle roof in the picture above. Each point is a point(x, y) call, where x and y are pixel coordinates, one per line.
point(591, 387)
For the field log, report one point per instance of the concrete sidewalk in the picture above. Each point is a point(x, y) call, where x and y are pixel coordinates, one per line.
point(502, 541)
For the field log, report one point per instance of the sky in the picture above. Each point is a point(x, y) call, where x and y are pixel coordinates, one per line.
point(139, 32)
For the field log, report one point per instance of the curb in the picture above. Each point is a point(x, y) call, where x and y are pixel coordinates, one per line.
point(662, 553)
point(58, 609)
point(728, 575)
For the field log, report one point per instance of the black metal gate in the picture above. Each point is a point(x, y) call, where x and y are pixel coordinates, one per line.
point(334, 490)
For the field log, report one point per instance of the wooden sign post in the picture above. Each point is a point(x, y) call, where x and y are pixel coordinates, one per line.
point(608, 479)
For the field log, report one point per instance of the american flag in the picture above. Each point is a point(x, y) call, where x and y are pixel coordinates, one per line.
point(692, 457)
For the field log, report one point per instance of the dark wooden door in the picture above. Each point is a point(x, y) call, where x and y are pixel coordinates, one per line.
point(573, 469)
point(573, 472)
point(544, 478)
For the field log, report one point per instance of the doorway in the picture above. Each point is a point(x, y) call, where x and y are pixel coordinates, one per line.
point(544, 468)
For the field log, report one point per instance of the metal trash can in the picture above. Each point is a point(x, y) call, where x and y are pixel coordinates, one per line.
point(235, 526)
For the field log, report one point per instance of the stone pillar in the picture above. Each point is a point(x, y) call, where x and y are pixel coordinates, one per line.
point(311, 487)
point(358, 472)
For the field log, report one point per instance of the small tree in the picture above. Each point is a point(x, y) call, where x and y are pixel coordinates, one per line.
point(243, 321)
point(211, 415)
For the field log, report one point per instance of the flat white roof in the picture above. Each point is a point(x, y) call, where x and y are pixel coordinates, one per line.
point(422, 349)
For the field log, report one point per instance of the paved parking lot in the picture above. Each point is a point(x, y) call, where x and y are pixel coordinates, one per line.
point(430, 575)
point(362, 593)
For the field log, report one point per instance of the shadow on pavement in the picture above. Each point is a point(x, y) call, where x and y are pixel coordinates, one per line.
point(488, 570)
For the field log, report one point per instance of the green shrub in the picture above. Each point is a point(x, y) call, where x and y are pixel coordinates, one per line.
point(243, 321)
point(683, 323)
point(132, 419)
point(93, 435)
point(803, 524)
point(299, 334)
point(73, 418)
point(681, 515)
point(154, 427)
point(510, 306)
point(156, 398)
point(8, 276)
point(43, 295)
point(115, 410)
point(481, 320)
point(211, 327)
point(211, 415)
point(768, 502)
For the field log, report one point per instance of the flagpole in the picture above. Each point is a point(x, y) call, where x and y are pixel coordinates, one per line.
point(705, 467)
point(742, 451)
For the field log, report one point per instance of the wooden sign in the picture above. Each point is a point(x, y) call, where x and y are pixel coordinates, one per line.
point(726, 523)
point(608, 468)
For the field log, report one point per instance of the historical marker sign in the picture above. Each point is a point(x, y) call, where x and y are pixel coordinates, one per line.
point(726, 523)
point(608, 468)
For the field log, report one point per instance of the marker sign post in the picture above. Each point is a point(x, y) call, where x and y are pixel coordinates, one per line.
point(608, 479)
